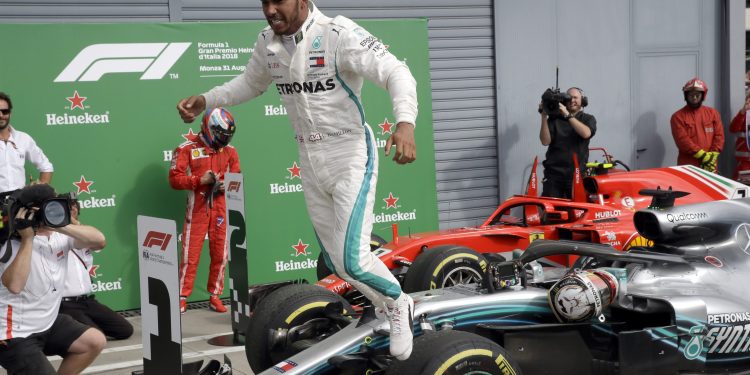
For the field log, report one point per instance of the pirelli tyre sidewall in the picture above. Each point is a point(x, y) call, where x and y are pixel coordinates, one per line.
point(322, 270)
point(455, 353)
point(286, 307)
point(443, 266)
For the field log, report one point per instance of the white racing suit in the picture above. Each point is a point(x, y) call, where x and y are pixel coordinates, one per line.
point(320, 85)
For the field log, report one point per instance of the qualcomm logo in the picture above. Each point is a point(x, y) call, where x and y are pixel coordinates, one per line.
point(96, 60)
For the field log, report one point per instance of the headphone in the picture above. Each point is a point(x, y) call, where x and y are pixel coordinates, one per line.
point(584, 98)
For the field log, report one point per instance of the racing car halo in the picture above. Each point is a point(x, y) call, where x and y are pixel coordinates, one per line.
point(679, 307)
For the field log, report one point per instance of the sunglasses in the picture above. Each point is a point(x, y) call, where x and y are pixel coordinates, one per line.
point(5, 111)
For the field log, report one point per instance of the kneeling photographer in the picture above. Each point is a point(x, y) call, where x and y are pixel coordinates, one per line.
point(566, 129)
point(36, 238)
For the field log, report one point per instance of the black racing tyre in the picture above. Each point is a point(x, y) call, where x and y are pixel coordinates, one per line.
point(322, 269)
point(444, 266)
point(455, 353)
point(292, 306)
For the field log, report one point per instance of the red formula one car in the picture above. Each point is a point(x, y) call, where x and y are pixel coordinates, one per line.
point(601, 212)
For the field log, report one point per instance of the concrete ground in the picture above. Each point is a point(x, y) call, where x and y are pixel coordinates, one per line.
point(198, 326)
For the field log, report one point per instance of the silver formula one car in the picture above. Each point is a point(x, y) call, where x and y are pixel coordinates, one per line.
point(679, 307)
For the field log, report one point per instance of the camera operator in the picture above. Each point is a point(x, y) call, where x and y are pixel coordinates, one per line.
point(566, 130)
point(33, 275)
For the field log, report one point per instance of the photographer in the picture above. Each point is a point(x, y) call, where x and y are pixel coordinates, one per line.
point(33, 273)
point(566, 129)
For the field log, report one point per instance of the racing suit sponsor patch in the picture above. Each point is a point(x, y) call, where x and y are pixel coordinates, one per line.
point(198, 153)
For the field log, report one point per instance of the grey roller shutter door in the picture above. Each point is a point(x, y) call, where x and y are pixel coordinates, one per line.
point(461, 67)
point(54, 11)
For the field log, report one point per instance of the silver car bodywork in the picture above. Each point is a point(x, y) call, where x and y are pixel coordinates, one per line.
point(682, 306)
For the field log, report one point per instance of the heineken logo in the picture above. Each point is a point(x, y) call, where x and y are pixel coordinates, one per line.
point(294, 171)
point(108, 286)
point(386, 127)
point(286, 188)
point(76, 117)
point(300, 249)
point(394, 217)
point(83, 185)
point(390, 201)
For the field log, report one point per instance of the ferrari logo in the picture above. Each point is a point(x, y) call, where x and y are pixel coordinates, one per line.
point(536, 236)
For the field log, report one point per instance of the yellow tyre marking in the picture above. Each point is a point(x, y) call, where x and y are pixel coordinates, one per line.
point(505, 367)
point(451, 258)
point(304, 308)
point(458, 357)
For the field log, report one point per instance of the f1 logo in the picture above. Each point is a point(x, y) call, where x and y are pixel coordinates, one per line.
point(96, 60)
point(154, 238)
point(234, 186)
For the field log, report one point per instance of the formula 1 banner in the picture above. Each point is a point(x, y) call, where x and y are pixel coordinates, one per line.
point(100, 100)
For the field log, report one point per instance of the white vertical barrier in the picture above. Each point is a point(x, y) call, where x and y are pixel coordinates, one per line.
point(160, 296)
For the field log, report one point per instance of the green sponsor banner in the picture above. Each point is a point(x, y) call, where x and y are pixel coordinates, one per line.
point(100, 100)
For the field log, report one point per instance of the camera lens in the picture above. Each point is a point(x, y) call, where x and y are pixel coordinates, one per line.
point(54, 213)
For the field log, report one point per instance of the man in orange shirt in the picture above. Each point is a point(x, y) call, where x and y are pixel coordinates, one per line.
point(739, 127)
point(697, 129)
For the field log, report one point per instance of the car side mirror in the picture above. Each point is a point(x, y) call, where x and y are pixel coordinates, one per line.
point(557, 215)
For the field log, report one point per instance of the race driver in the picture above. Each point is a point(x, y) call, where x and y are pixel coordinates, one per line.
point(198, 166)
point(318, 65)
point(697, 129)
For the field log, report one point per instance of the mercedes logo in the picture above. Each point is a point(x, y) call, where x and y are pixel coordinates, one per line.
point(742, 237)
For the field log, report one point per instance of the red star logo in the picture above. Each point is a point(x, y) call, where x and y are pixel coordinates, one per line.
point(300, 248)
point(76, 101)
point(385, 127)
point(390, 201)
point(92, 271)
point(294, 171)
point(83, 185)
point(190, 135)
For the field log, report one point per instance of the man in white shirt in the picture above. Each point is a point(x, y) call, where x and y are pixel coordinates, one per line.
point(32, 278)
point(15, 149)
point(78, 300)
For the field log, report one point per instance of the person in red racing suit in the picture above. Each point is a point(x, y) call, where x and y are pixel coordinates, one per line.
point(697, 129)
point(739, 127)
point(198, 166)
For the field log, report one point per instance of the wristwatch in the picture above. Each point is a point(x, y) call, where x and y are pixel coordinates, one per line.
point(568, 116)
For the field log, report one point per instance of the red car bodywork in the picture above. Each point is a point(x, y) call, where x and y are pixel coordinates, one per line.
point(606, 216)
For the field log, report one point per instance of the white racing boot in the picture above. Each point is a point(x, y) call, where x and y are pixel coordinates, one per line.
point(401, 316)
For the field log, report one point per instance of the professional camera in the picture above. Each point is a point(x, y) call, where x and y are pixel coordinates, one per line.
point(551, 100)
point(51, 210)
point(552, 97)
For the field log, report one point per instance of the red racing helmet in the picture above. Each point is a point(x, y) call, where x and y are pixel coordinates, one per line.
point(696, 84)
point(217, 127)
